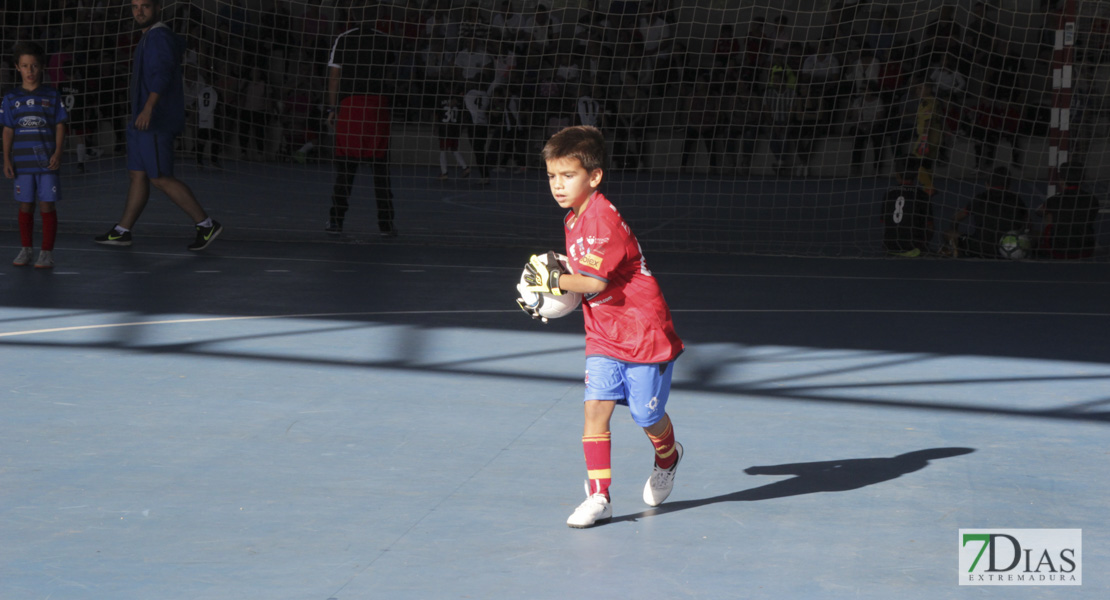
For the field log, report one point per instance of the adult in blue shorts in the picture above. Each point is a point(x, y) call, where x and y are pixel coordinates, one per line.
point(158, 116)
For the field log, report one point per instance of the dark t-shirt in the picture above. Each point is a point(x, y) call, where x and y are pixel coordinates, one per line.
point(364, 58)
point(907, 219)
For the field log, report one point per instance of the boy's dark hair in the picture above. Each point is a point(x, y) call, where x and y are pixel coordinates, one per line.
point(582, 142)
point(25, 48)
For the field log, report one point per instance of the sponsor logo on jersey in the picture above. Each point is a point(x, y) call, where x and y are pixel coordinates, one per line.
point(591, 260)
point(594, 240)
point(32, 122)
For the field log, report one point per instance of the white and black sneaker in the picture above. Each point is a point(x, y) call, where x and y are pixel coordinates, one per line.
point(595, 510)
point(661, 482)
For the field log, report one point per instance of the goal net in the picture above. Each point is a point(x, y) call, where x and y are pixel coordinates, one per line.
point(833, 128)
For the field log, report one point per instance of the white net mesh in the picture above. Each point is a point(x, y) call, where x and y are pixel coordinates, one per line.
point(768, 127)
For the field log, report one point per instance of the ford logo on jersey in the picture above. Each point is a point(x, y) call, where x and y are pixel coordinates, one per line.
point(29, 122)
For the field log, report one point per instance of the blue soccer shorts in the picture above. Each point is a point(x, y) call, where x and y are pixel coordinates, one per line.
point(150, 152)
point(44, 187)
point(644, 389)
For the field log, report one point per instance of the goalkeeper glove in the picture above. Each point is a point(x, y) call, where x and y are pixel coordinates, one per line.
point(532, 312)
point(542, 274)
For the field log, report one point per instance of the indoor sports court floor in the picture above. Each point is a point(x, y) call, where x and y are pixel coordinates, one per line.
point(349, 421)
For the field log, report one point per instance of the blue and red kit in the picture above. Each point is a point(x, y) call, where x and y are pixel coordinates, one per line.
point(629, 320)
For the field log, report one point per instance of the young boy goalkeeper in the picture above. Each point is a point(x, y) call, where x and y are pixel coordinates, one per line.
point(631, 343)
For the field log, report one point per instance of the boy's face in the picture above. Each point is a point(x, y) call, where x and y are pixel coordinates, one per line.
point(30, 69)
point(145, 12)
point(571, 184)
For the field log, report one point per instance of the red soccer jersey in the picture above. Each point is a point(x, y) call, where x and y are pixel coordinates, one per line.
point(629, 320)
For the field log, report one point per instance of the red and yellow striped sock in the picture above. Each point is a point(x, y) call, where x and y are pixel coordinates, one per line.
point(665, 455)
point(598, 450)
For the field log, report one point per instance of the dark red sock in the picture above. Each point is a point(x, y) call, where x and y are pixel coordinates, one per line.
point(598, 449)
point(665, 455)
point(26, 229)
point(49, 229)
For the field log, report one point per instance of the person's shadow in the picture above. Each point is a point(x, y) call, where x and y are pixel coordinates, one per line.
point(814, 477)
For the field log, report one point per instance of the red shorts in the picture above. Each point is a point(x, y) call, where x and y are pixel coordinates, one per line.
point(362, 128)
point(448, 143)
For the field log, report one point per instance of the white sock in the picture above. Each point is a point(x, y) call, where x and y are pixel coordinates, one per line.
point(459, 159)
point(80, 153)
point(443, 162)
point(205, 223)
point(122, 229)
point(308, 146)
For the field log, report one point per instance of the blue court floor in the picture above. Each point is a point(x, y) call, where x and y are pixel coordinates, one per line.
point(318, 421)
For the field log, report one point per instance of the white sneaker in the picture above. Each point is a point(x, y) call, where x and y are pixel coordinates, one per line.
point(595, 510)
point(661, 482)
point(46, 260)
point(24, 257)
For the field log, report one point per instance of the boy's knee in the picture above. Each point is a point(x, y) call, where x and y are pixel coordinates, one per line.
point(163, 183)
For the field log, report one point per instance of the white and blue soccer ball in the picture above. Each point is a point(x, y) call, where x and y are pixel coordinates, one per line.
point(546, 304)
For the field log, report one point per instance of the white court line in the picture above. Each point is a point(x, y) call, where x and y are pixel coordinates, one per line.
point(662, 273)
point(508, 311)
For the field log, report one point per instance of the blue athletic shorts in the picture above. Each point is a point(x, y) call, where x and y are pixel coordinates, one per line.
point(44, 187)
point(150, 152)
point(644, 389)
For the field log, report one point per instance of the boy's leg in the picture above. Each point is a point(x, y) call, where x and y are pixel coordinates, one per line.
point(383, 194)
point(662, 439)
point(345, 171)
point(604, 388)
point(181, 195)
point(596, 508)
point(26, 224)
point(597, 444)
point(49, 225)
point(649, 388)
point(23, 195)
point(138, 192)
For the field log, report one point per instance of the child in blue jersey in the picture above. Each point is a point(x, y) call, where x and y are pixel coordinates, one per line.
point(34, 118)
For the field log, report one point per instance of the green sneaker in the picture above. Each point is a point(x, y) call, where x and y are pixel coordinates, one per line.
point(206, 235)
point(114, 238)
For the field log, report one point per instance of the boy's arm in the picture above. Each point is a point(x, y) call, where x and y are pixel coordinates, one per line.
point(9, 136)
point(572, 282)
point(543, 274)
point(59, 139)
point(142, 122)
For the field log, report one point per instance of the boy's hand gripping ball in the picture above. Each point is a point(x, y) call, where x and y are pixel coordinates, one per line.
point(539, 291)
